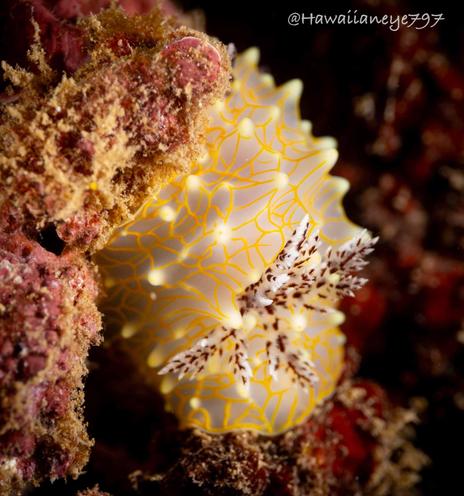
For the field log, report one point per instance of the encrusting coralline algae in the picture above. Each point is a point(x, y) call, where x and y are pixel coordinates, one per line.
point(79, 152)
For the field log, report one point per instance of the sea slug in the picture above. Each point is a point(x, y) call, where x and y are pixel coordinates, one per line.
point(229, 278)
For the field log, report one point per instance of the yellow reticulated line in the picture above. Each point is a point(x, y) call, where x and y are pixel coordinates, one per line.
point(177, 268)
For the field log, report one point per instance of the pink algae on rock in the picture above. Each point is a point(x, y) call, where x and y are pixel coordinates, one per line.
point(94, 118)
point(82, 152)
point(48, 321)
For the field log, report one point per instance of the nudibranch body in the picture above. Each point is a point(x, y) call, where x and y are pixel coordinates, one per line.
point(233, 273)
